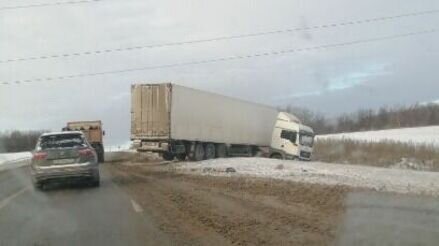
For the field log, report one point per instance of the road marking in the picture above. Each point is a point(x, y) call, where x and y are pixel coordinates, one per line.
point(136, 206)
point(8, 199)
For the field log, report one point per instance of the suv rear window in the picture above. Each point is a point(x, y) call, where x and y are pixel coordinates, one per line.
point(62, 141)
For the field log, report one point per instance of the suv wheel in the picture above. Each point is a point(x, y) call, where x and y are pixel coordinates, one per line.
point(96, 182)
point(38, 186)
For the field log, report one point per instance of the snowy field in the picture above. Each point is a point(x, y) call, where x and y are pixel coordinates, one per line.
point(12, 160)
point(381, 179)
point(419, 135)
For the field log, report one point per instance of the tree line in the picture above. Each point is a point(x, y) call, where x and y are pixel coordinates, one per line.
point(362, 120)
point(18, 141)
point(367, 119)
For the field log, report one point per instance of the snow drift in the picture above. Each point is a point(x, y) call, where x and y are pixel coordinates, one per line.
point(380, 179)
point(13, 160)
point(419, 135)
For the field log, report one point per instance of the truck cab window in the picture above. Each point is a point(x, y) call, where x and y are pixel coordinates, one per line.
point(289, 135)
point(307, 140)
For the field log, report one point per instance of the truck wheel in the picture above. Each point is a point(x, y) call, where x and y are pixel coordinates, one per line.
point(101, 158)
point(181, 157)
point(99, 152)
point(276, 156)
point(199, 152)
point(221, 151)
point(168, 156)
point(210, 151)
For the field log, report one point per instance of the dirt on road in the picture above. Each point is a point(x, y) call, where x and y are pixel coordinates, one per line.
point(205, 210)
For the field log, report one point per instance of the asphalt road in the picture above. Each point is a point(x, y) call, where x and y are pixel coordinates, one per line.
point(72, 214)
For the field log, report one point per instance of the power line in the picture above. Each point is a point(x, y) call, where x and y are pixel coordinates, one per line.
point(197, 41)
point(37, 5)
point(230, 58)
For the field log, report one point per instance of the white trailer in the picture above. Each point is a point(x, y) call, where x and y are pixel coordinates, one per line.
point(181, 122)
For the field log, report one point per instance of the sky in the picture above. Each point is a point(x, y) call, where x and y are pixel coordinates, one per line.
point(332, 81)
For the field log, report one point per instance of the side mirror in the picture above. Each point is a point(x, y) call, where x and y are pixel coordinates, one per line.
point(103, 133)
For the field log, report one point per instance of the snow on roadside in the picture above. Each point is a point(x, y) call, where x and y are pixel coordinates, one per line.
point(418, 135)
point(117, 148)
point(13, 160)
point(10, 157)
point(380, 179)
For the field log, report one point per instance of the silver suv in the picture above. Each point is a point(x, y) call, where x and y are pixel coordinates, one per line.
point(64, 156)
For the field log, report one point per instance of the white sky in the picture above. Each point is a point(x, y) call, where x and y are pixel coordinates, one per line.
point(402, 71)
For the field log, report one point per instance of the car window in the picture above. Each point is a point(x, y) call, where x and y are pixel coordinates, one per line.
point(62, 141)
point(289, 135)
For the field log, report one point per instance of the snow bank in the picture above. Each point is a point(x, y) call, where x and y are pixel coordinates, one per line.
point(11, 157)
point(419, 135)
point(381, 179)
point(117, 148)
point(12, 160)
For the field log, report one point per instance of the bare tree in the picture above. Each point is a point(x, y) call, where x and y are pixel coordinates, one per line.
point(367, 119)
point(17, 141)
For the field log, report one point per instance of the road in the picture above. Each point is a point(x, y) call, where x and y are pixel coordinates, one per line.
point(146, 203)
point(72, 215)
point(206, 210)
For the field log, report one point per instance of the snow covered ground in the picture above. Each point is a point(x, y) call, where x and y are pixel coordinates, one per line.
point(12, 160)
point(418, 135)
point(381, 179)
point(116, 148)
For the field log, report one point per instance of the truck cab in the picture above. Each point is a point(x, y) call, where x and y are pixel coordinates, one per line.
point(291, 139)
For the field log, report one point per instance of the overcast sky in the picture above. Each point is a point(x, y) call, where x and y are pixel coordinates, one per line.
point(332, 81)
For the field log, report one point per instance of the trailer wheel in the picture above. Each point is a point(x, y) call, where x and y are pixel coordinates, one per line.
point(221, 151)
point(199, 152)
point(168, 156)
point(181, 157)
point(210, 151)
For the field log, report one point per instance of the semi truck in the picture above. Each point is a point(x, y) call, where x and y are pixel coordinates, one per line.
point(185, 123)
point(93, 133)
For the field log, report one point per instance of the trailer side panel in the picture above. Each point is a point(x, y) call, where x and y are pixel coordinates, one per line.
point(209, 117)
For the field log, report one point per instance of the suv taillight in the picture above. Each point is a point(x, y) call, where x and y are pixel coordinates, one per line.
point(38, 156)
point(86, 152)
